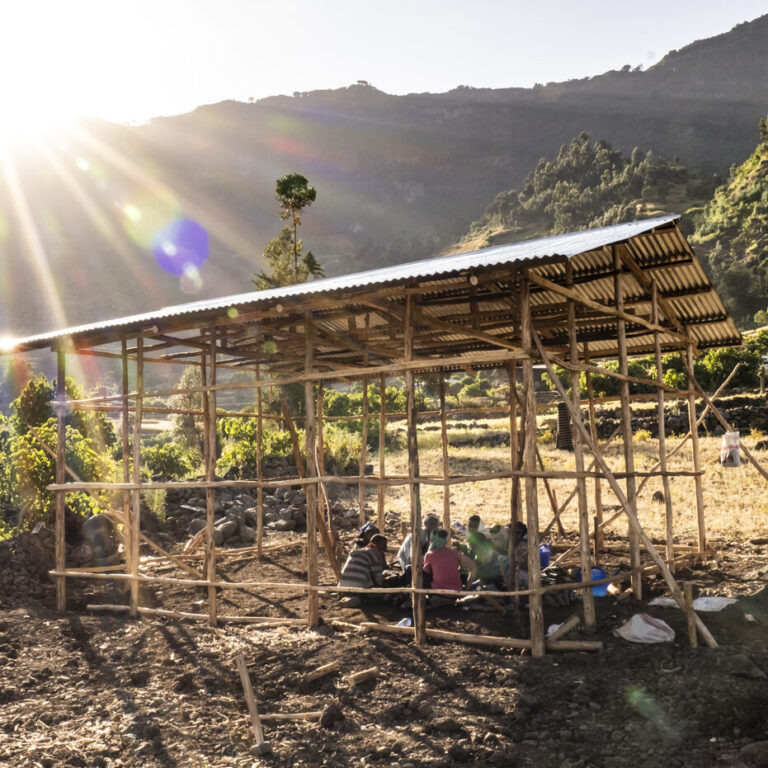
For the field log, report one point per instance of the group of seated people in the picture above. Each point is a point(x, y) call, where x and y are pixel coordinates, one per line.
point(484, 558)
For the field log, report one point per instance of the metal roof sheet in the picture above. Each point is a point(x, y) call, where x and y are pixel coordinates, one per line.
point(522, 253)
point(651, 242)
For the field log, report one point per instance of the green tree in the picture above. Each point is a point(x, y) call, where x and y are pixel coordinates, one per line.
point(188, 427)
point(284, 255)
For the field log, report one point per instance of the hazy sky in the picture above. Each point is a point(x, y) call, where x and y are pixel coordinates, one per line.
point(132, 59)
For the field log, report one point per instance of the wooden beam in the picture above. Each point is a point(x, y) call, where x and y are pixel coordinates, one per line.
point(692, 421)
point(209, 401)
point(419, 619)
point(135, 526)
point(535, 606)
point(61, 446)
point(310, 490)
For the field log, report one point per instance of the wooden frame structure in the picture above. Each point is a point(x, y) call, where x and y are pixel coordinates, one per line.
point(564, 301)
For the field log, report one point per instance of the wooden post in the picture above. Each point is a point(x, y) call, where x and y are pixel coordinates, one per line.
point(535, 607)
point(446, 468)
point(626, 424)
point(126, 444)
point(209, 416)
point(135, 526)
point(693, 425)
point(323, 501)
point(381, 491)
point(690, 614)
point(598, 486)
point(61, 499)
point(413, 472)
point(588, 598)
point(259, 468)
point(363, 455)
point(669, 522)
point(514, 488)
point(310, 490)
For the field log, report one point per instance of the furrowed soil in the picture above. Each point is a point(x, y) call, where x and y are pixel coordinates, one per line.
point(93, 689)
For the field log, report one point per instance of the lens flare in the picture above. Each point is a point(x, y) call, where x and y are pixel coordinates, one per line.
point(190, 281)
point(646, 705)
point(181, 248)
point(83, 164)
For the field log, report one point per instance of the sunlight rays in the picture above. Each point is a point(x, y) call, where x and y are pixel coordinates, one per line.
point(32, 241)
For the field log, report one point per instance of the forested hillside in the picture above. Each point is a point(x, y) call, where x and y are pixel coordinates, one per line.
point(588, 184)
point(732, 236)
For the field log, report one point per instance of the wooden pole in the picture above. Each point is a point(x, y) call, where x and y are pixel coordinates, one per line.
point(61, 447)
point(535, 607)
point(382, 449)
point(419, 620)
point(626, 423)
point(692, 421)
point(514, 488)
point(135, 526)
point(209, 397)
point(333, 534)
point(690, 614)
point(126, 445)
point(629, 510)
point(668, 518)
point(310, 490)
point(588, 598)
point(446, 467)
point(260, 747)
point(363, 455)
point(598, 486)
point(259, 468)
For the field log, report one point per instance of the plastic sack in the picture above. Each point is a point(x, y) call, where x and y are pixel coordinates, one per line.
point(729, 450)
point(705, 603)
point(642, 628)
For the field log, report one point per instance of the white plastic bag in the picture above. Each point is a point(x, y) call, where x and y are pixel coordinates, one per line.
point(642, 628)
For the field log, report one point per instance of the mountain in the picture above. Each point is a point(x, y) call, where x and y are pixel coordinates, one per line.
point(398, 177)
point(731, 235)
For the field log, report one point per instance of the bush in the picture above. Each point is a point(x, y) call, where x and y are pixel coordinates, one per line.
point(35, 469)
point(341, 450)
point(170, 460)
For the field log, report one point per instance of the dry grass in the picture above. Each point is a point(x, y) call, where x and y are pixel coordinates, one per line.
point(736, 499)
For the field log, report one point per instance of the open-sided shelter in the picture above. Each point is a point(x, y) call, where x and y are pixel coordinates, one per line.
point(565, 301)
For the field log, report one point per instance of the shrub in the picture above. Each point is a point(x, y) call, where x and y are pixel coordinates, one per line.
point(35, 470)
point(341, 450)
point(642, 435)
point(170, 460)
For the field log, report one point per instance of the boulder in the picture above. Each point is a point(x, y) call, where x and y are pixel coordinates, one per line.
point(196, 525)
point(284, 525)
point(228, 529)
point(247, 534)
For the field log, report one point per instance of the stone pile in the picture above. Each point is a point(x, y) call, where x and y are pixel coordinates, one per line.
point(237, 513)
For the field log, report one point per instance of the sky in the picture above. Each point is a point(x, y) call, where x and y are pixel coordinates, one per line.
point(129, 60)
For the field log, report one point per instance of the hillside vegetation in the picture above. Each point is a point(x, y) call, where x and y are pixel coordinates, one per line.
point(587, 185)
point(731, 235)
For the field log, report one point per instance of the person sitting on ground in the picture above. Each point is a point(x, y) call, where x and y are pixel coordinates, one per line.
point(405, 552)
point(444, 565)
point(367, 532)
point(492, 566)
point(364, 568)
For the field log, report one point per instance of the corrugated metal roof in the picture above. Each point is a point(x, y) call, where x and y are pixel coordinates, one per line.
point(650, 241)
point(567, 246)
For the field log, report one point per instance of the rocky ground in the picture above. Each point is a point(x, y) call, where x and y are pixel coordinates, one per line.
point(84, 689)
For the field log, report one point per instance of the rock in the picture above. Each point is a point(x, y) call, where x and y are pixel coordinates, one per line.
point(658, 497)
point(218, 537)
point(228, 529)
point(247, 534)
point(424, 709)
point(245, 499)
point(251, 516)
point(284, 525)
point(761, 445)
point(332, 714)
point(196, 525)
point(286, 513)
point(236, 512)
point(270, 517)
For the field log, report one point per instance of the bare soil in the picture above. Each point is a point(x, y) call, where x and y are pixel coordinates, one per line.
point(83, 689)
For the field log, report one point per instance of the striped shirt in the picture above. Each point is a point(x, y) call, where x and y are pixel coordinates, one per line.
point(364, 568)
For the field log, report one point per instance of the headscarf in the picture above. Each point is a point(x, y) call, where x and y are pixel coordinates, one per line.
point(436, 541)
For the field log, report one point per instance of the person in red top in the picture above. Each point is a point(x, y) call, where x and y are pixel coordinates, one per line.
point(444, 564)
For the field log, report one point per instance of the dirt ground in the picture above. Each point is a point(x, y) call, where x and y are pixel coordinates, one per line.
point(84, 689)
